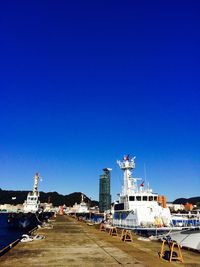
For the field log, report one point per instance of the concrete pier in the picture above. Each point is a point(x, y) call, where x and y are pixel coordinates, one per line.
point(74, 243)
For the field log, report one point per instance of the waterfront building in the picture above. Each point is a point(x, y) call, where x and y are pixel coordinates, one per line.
point(104, 190)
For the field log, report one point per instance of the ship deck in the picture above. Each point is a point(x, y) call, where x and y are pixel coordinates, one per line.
point(74, 243)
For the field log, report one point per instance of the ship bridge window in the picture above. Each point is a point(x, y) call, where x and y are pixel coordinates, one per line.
point(144, 198)
point(119, 206)
point(131, 198)
point(155, 198)
point(151, 198)
point(138, 198)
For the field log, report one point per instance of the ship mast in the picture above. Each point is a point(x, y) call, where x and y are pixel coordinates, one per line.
point(129, 183)
point(82, 198)
point(35, 187)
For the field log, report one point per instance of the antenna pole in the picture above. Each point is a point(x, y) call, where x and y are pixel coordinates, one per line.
point(35, 187)
point(145, 173)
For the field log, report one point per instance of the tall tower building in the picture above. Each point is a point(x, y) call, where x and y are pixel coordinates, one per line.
point(104, 190)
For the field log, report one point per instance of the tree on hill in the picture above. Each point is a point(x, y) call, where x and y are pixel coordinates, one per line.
point(192, 200)
point(18, 197)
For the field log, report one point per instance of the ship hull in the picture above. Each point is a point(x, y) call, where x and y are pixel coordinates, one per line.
point(188, 238)
point(27, 221)
point(130, 220)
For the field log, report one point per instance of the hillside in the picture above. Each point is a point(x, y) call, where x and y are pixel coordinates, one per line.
point(54, 197)
point(192, 200)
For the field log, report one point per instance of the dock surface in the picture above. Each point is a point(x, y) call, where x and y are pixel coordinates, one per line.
point(74, 243)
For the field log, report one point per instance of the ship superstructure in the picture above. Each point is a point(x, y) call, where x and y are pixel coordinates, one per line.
point(83, 207)
point(32, 203)
point(138, 206)
point(80, 209)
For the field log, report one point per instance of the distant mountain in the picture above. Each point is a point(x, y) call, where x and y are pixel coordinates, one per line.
point(54, 197)
point(192, 200)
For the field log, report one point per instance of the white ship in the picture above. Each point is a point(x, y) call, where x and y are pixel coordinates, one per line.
point(80, 209)
point(138, 207)
point(186, 219)
point(32, 203)
point(189, 238)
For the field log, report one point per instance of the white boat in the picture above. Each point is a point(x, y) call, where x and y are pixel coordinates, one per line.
point(189, 238)
point(32, 203)
point(138, 206)
point(80, 209)
point(139, 209)
point(32, 214)
point(186, 219)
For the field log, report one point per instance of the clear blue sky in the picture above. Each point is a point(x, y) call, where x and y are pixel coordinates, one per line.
point(84, 82)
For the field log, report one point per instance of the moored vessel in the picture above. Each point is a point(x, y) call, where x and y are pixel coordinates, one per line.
point(81, 209)
point(32, 215)
point(32, 203)
point(142, 210)
point(186, 219)
point(139, 208)
point(189, 238)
